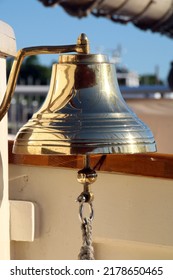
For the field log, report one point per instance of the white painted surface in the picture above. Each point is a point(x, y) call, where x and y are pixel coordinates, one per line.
point(134, 7)
point(4, 207)
point(133, 215)
point(22, 220)
point(7, 40)
point(7, 46)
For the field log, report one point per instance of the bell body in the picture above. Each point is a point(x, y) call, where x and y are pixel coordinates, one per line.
point(84, 113)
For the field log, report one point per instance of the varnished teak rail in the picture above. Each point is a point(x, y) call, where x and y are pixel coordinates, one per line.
point(153, 165)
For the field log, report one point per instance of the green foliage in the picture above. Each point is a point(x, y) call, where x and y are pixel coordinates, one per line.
point(32, 72)
point(150, 80)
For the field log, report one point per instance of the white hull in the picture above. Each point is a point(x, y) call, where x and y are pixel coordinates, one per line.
point(132, 220)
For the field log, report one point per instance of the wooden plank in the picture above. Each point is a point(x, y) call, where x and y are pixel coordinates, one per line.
point(152, 164)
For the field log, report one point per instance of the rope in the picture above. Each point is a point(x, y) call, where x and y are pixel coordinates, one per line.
point(164, 25)
point(86, 176)
point(87, 250)
point(50, 3)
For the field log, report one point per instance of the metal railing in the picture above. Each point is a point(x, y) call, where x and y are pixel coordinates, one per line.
point(27, 100)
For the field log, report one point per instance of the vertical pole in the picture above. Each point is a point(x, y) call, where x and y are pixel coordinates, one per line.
point(7, 47)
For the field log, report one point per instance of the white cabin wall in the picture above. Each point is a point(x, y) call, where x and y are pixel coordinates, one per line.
point(4, 203)
point(133, 214)
point(7, 48)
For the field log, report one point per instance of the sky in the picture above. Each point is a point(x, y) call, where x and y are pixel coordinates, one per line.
point(34, 24)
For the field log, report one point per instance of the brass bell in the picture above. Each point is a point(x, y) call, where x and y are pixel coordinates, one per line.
point(84, 113)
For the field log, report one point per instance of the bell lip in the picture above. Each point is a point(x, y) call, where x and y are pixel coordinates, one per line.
point(83, 58)
point(48, 150)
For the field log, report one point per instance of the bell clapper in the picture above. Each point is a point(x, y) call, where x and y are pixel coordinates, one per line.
point(86, 176)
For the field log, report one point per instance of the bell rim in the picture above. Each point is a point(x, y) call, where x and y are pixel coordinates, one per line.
point(84, 150)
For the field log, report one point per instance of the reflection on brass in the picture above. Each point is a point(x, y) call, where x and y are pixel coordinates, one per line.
point(84, 113)
point(82, 46)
